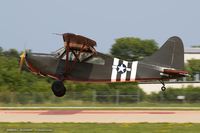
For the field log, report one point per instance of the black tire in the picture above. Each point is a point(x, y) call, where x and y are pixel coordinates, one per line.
point(58, 88)
point(163, 88)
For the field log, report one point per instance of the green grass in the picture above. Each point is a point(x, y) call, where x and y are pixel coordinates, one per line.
point(100, 128)
point(91, 104)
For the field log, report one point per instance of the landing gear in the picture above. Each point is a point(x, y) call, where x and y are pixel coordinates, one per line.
point(163, 88)
point(58, 88)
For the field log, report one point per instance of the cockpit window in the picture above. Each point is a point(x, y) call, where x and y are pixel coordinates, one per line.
point(59, 52)
point(83, 56)
point(96, 60)
point(71, 56)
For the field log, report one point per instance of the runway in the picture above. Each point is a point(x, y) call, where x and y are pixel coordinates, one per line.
point(100, 116)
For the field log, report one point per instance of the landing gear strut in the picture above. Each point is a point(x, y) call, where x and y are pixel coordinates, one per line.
point(58, 88)
point(163, 88)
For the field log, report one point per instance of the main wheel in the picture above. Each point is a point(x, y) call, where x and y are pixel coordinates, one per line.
point(163, 88)
point(58, 88)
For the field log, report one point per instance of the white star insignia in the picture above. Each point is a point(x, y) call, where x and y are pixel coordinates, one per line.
point(121, 68)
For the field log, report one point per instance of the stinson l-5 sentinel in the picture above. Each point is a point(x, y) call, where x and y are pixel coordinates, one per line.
point(79, 61)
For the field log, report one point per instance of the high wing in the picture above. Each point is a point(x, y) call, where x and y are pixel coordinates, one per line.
point(78, 42)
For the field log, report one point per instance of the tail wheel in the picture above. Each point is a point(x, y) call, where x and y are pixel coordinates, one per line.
point(163, 88)
point(58, 88)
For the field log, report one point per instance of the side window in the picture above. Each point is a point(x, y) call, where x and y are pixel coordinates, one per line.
point(84, 55)
point(70, 56)
point(96, 60)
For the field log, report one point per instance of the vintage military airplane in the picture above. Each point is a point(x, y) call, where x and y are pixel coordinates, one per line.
point(79, 61)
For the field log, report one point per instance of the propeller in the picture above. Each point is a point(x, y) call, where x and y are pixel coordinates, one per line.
point(22, 60)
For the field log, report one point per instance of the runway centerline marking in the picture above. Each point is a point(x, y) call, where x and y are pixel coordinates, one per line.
point(70, 112)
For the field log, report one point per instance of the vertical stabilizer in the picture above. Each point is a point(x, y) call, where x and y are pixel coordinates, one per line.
point(171, 54)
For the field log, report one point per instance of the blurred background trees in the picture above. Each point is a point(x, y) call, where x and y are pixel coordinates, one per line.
point(16, 87)
point(132, 48)
point(193, 66)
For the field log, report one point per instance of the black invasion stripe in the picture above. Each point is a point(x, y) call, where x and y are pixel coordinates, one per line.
point(128, 74)
point(119, 74)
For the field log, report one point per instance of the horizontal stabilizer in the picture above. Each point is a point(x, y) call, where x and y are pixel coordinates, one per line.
point(176, 72)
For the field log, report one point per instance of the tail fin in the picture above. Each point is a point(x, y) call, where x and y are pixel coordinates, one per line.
point(171, 54)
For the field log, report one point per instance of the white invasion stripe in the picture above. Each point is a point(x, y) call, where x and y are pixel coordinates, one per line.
point(114, 70)
point(133, 70)
point(123, 75)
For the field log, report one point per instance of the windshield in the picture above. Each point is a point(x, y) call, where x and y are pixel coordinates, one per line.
point(59, 52)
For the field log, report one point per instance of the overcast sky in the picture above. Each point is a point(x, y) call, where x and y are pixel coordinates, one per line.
point(30, 23)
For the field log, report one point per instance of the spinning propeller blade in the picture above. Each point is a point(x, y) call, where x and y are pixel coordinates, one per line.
point(22, 60)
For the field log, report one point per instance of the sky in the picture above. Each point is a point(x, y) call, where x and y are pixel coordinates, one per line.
point(29, 24)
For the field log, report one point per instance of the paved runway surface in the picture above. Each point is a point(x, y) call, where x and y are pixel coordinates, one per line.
point(99, 116)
